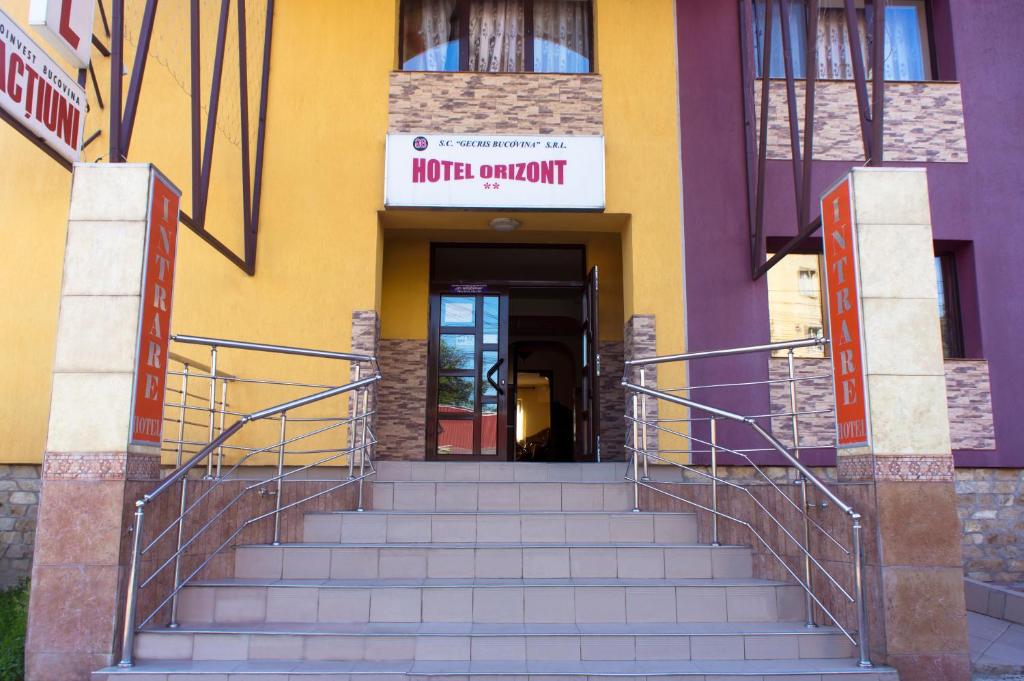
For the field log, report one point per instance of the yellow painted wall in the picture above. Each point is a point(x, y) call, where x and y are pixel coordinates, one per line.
point(321, 253)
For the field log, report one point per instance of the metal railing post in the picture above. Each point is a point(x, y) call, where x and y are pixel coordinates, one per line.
point(213, 405)
point(636, 454)
point(131, 604)
point(352, 431)
point(181, 417)
point(643, 419)
point(858, 585)
point(802, 482)
point(714, 482)
point(223, 409)
point(362, 445)
point(280, 480)
point(177, 553)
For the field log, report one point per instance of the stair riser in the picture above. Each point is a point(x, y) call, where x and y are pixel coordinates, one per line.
point(466, 471)
point(492, 604)
point(563, 648)
point(853, 675)
point(502, 496)
point(276, 562)
point(501, 528)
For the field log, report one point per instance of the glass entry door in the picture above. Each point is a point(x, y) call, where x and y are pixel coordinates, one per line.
point(467, 377)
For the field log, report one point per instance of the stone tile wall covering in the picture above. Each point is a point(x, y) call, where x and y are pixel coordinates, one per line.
point(923, 121)
point(991, 507)
point(967, 393)
point(402, 416)
point(641, 341)
point(365, 340)
point(505, 103)
point(613, 426)
point(19, 504)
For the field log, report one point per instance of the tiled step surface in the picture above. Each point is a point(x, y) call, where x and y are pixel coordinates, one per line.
point(454, 670)
point(540, 643)
point(501, 496)
point(515, 601)
point(467, 560)
point(464, 571)
point(500, 527)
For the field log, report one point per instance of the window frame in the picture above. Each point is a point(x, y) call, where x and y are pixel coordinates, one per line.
point(951, 300)
point(462, 7)
point(925, 27)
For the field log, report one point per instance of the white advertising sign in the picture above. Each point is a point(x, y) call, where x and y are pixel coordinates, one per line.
point(39, 95)
point(67, 25)
point(494, 171)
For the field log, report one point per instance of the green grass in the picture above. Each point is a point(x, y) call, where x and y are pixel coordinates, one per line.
point(13, 620)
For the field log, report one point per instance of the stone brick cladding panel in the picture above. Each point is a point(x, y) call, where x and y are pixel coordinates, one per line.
point(365, 339)
point(640, 341)
point(967, 394)
point(991, 506)
point(403, 399)
point(923, 121)
point(19, 506)
point(613, 426)
point(505, 103)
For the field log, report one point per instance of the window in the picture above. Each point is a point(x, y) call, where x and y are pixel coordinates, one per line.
point(906, 40)
point(545, 36)
point(795, 301)
point(949, 306)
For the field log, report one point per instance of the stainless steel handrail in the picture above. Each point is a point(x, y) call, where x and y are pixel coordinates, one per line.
point(638, 424)
point(707, 354)
point(218, 436)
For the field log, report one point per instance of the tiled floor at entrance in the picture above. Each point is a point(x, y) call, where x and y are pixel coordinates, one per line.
point(494, 572)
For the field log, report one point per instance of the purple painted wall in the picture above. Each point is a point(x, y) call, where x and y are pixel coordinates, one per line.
point(977, 206)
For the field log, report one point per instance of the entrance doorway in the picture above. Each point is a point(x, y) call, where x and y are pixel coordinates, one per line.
point(512, 354)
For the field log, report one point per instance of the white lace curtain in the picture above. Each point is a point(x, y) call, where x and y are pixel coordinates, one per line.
point(834, 57)
point(561, 30)
point(496, 35)
point(429, 43)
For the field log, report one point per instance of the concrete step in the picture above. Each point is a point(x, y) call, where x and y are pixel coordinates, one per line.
point(378, 527)
point(538, 642)
point(449, 670)
point(520, 471)
point(467, 560)
point(501, 496)
point(505, 601)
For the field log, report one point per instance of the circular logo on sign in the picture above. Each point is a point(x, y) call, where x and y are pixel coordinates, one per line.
point(419, 143)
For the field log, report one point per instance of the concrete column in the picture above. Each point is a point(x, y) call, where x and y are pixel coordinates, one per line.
point(909, 461)
point(90, 474)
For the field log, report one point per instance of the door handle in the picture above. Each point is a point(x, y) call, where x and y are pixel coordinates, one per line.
point(490, 373)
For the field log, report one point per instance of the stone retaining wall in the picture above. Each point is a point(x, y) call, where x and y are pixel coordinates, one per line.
point(19, 503)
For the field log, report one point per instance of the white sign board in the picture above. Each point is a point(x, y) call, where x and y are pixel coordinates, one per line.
point(38, 94)
point(494, 171)
point(67, 25)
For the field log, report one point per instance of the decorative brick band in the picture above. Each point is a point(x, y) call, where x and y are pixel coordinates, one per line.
point(100, 466)
point(923, 121)
point(641, 341)
point(503, 103)
point(895, 468)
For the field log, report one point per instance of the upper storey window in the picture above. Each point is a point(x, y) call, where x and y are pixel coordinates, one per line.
point(546, 36)
point(906, 40)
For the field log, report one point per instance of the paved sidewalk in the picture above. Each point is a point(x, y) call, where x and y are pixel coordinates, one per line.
point(997, 647)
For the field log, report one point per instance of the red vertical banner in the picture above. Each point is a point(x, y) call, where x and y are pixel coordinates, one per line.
point(155, 311)
point(844, 315)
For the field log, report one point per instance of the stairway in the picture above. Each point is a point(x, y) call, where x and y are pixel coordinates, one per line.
point(494, 572)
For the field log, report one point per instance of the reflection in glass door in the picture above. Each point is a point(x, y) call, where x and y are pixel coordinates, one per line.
point(468, 345)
